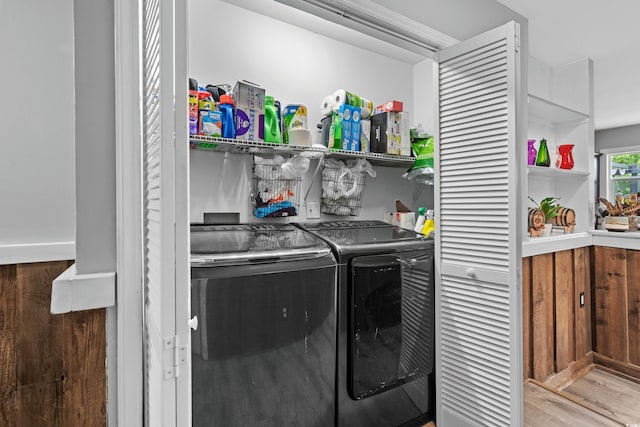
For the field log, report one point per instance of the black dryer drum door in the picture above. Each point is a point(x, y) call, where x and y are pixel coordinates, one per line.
point(391, 321)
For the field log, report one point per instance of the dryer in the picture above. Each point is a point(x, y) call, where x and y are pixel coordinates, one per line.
point(386, 332)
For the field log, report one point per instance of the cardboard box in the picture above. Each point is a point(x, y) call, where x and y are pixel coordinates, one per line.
point(249, 104)
point(390, 133)
point(389, 106)
point(402, 219)
point(365, 135)
point(353, 144)
point(345, 129)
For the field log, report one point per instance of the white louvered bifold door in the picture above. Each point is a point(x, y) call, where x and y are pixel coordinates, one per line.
point(477, 290)
point(165, 214)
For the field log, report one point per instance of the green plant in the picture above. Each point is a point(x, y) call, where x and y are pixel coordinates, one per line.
point(548, 206)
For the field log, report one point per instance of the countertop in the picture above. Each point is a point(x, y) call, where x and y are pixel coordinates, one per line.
point(544, 245)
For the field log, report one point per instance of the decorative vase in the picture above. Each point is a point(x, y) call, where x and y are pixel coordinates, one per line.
point(532, 153)
point(566, 154)
point(543, 154)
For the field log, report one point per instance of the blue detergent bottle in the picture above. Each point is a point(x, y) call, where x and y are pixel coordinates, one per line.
point(271, 122)
point(228, 121)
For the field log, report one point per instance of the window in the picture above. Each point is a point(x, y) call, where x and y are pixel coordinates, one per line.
point(623, 175)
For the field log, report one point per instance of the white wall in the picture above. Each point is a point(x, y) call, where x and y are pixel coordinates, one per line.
point(37, 219)
point(95, 135)
point(297, 67)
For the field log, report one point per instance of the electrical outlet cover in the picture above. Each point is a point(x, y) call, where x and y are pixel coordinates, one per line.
point(313, 210)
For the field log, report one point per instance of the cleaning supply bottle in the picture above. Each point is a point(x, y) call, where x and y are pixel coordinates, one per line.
point(228, 121)
point(429, 224)
point(271, 122)
point(420, 220)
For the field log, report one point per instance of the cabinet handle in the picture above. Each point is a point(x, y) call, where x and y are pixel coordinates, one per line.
point(470, 272)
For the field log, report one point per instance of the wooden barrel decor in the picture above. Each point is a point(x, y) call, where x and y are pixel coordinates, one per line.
point(536, 222)
point(566, 218)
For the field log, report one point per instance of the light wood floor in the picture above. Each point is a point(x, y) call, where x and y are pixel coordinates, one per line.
point(599, 398)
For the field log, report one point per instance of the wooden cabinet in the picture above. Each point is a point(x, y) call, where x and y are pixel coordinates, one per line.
point(560, 110)
point(617, 308)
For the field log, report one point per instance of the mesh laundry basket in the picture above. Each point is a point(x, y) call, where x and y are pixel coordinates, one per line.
point(342, 190)
point(273, 195)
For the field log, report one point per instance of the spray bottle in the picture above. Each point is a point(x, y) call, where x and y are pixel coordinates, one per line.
point(420, 220)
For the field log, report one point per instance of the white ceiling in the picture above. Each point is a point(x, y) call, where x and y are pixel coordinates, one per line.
point(608, 32)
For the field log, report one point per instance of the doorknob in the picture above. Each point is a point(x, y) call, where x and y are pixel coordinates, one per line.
point(193, 323)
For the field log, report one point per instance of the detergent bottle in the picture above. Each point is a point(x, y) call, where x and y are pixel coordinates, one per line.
point(429, 224)
point(228, 121)
point(271, 122)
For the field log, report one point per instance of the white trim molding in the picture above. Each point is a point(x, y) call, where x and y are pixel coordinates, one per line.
point(76, 292)
point(37, 252)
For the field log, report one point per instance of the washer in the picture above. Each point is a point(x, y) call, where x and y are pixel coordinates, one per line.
point(386, 332)
point(264, 353)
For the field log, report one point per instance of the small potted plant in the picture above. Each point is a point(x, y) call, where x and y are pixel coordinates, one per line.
point(621, 216)
point(549, 208)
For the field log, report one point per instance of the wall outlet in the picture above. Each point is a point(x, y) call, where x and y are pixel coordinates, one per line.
point(313, 210)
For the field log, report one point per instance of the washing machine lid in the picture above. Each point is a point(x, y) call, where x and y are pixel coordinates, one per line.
point(249, 243)
point(366, 236)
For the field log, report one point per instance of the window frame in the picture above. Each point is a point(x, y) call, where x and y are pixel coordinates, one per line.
point(605, 173)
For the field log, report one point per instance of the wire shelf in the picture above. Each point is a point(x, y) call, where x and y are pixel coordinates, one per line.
point(234, 146)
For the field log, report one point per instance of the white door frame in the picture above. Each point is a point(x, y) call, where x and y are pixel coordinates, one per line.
point(125, 373)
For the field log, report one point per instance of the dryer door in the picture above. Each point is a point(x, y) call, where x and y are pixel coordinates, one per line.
point(391, 321)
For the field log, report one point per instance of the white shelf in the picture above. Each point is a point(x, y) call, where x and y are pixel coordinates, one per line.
point(234, 146)
point(552, 172)
point(543, 245)
point(548, 111)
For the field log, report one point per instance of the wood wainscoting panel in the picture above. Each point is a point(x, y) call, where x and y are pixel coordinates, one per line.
point(52, 367)
point(582, 284)
point(633, 301)
point(542, 312)
point(564, 309)
point(40, 336)
point(84, 359)
point(610, 306)
point(556, 328)
point(527, 365)
point(8, 332)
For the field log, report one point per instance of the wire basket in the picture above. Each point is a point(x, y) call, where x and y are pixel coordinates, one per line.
point(342, 191)
point(273, 195)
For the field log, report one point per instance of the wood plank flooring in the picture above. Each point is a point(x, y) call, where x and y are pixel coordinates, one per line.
point(612, 395)
point(599, 398)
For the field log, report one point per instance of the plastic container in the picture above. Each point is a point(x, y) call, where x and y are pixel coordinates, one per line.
point(420, 220)
point(271, 122)
point(228, 121)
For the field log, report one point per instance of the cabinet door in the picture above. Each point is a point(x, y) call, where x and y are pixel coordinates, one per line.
point(477, 286)
point(165, 214)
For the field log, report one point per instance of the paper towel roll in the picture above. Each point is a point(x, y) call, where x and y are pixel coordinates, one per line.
point(341, 97)
point(326, 106)
point(300, 137)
